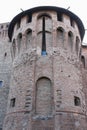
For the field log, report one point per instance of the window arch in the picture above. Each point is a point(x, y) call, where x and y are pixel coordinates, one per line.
point(19, 41)
point(70, 40)
point(60, 36)
point(77, 45)
point(44, 18)
point(43, 96)
point(28, 37)
point(43, 14)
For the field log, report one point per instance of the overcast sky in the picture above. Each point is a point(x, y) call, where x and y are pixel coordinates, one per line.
point(10, 8)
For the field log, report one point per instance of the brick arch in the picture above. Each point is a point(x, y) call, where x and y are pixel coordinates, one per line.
point(28, 35)
point(43, 103)
point(43, 14)
point(19, 41)
point(60, 36)
point(70, 40)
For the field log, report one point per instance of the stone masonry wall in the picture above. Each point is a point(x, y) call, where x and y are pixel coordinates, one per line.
point(5, 70)
point(46, 90)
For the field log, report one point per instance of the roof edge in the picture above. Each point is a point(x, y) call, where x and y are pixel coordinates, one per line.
point(41, 8)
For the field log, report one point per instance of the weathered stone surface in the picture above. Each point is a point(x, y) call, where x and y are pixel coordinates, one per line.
point(45, 86)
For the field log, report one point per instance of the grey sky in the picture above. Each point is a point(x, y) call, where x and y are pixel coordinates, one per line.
point(10, 8)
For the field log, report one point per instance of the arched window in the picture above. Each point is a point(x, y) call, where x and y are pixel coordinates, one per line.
point(19, 41)
point(70, 40)
point(77, 45)
point(60, 36)
point(28, 37)
point(43, 96)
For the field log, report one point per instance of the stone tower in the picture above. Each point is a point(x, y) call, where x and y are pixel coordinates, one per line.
point(46, 88)
point(5, 70)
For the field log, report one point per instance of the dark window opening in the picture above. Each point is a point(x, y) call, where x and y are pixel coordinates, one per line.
point(1, 26)
point(14, 47)
point(83, 61)
point(77, 101)
point(70, 34)
point(60, 30)
point(18, 24)
point(59, 17)
point(71, 22)
point(29, 18)
point(77, 45)
point(12, 102)
point(19, 41)
point(20, 36)
point(43, 37)
point(29, 31)
point(1, 84)
point(5, 54)
point(7, 26)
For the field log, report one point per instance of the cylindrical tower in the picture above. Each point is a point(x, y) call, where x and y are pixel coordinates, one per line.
point(46, 90)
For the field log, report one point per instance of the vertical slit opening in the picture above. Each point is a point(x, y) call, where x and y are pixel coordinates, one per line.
point(43, 38)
